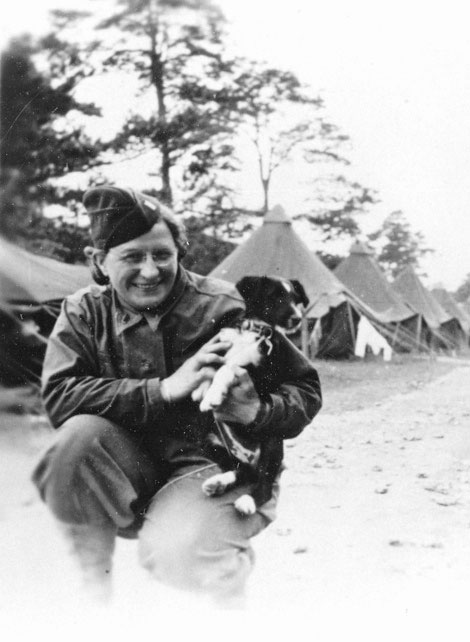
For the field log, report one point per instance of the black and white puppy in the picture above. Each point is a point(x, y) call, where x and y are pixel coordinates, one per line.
point(272, 304)
point(274, 300)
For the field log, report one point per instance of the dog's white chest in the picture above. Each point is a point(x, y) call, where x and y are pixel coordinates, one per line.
point(245, 349)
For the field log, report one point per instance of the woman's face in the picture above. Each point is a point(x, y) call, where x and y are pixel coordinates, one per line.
point(143, 271)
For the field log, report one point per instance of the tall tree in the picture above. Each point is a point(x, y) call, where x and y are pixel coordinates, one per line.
point(397, 245)
point(195, 104)
point(336, 204)
point(282, 118)
point(173, 47)
point(286, 122)
point(37, 143)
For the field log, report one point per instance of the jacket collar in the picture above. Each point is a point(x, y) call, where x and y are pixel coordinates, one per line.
point(126, 316)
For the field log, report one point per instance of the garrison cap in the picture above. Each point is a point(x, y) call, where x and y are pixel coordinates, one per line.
point(118, 215)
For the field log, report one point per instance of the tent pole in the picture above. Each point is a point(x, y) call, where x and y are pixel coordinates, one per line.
point(351, 324)
point(418, 331)
point(395, 334)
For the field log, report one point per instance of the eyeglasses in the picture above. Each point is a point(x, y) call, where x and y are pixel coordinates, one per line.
point(160, 258)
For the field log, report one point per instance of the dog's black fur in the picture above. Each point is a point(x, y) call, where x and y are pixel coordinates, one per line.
point(273, 300)
point(271, 305)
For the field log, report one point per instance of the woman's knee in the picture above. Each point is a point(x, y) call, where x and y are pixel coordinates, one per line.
point(80, 431)
point(190, 565)
point(73, 442)
point(82, 476)
point(196, 559)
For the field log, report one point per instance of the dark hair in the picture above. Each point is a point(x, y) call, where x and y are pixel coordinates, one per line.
point(97, 274)
point(177, 231)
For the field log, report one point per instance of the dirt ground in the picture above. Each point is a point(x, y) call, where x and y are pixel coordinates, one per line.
point(374, 518)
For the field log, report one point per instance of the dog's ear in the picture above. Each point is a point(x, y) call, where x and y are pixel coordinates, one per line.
point(249, 287)
point(300, 292)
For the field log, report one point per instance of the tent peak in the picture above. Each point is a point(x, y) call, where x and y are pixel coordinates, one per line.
point(277, 215)
point(360, 247)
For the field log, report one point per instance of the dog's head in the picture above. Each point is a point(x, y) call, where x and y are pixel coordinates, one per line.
point(274, 300)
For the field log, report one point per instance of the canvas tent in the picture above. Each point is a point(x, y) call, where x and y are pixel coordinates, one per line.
point(459, 320)
point(31, 290)
point(432, 327)
point(28, 277)
point(464, 307)
point(275, 249)
point(361, 273)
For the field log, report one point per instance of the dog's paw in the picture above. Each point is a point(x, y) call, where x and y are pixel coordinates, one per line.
point(208, 404)
point(218, 484)
point(213, 398)
point(218, 390)
point(245, 505)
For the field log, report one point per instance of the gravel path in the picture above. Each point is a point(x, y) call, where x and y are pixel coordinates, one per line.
point(375, 508)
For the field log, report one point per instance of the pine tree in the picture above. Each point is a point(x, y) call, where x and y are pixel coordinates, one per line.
point(397, 245)
point(37, 144)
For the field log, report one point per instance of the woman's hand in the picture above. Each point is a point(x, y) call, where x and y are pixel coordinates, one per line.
point(242, 402)
point(198, 368)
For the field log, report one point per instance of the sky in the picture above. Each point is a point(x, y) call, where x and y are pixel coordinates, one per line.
point(395, 76)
